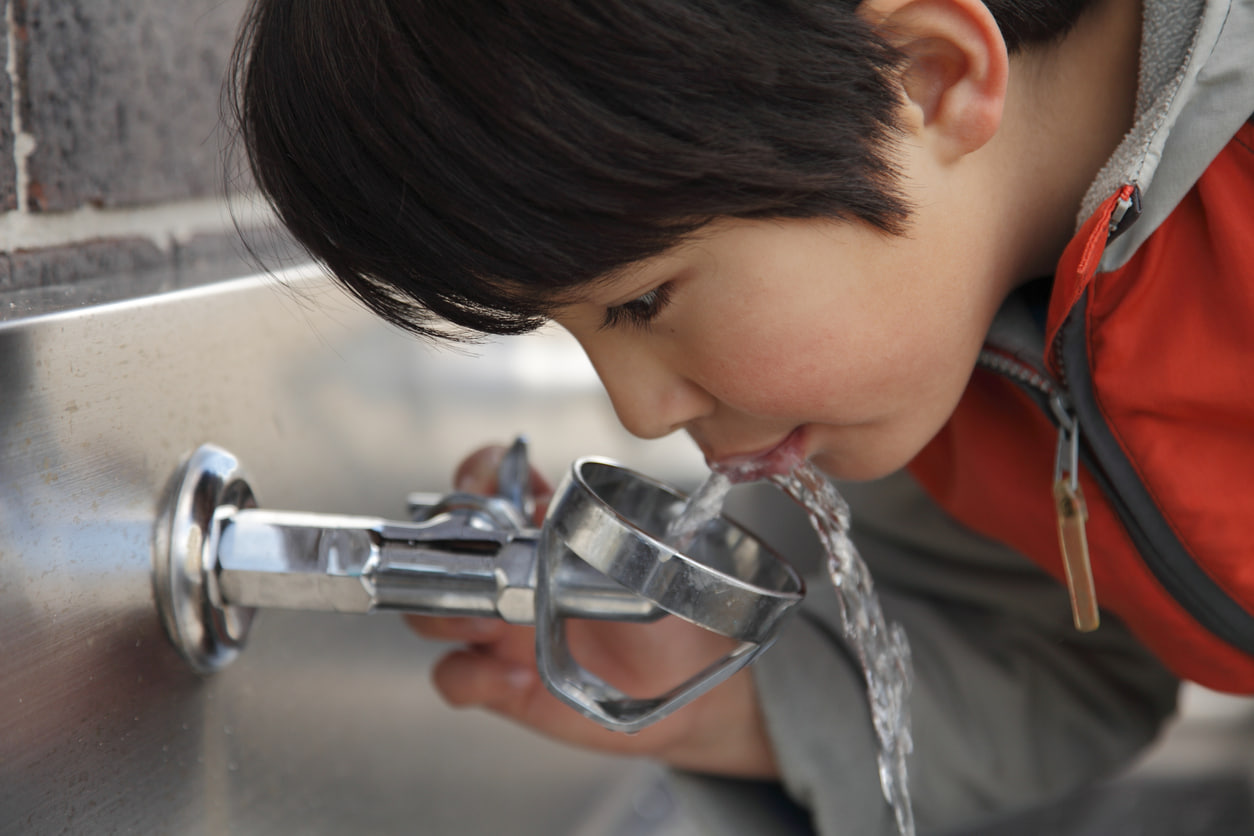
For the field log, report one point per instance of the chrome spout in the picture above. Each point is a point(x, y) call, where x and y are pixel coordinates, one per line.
point(442, 566)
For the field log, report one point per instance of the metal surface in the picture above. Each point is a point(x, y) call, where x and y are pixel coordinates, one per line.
point(726, 580)
point(206, 630)
point(217, 557)
point(600, 554)
point(326, 724)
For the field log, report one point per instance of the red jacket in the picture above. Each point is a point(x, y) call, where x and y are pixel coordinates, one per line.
point(1156, 360)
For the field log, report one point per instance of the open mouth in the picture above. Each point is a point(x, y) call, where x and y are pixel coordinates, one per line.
point(776, 461)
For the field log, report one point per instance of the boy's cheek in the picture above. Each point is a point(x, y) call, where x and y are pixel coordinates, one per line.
point(800, 391)
point(764, 380)
point(866, 452)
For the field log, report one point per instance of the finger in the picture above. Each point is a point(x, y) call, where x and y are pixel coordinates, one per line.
point(457, 629)
point(518, 694)
point(477, 472)
point(474, 677)
point(482, 677)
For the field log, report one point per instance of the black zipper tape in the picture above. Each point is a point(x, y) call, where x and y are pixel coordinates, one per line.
point(1160, 549)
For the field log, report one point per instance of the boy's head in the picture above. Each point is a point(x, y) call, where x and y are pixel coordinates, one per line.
point(470, 158)
point(496, 163)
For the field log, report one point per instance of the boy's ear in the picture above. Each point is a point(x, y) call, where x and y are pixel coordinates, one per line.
point(955, 70)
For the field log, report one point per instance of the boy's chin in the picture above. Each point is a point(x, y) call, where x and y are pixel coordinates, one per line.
point(859, 468)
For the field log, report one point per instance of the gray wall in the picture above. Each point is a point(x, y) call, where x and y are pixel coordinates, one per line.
point(110, 143)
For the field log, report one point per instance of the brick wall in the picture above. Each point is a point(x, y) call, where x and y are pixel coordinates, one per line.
point(110, 143)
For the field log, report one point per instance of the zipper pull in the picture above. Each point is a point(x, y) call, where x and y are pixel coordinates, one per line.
point(1072, 515)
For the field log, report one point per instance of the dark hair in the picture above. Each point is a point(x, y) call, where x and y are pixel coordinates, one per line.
point(471, 160)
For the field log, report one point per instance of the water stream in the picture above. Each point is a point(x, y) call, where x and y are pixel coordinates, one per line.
point(882, 649)
point(704, 505)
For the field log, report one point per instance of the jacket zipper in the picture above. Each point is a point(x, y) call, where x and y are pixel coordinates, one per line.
point(1069, 505)
point(1070, 508)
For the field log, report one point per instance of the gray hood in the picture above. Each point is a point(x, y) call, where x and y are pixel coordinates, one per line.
point(1196, 88)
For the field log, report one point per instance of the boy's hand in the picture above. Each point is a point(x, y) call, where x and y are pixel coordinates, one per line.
point(722, 732)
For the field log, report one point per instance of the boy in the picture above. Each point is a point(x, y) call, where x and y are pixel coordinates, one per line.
point(796, 228)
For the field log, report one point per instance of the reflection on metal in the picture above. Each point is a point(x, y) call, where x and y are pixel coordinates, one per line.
point(599, 555)
point(727, 581)
point(325, 724)
point(207, 631)
point(616, 519)
point(218, 558)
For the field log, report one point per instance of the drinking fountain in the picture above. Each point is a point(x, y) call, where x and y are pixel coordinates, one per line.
point(601, 553)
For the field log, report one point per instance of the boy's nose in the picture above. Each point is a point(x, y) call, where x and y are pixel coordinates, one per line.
point(651, 398)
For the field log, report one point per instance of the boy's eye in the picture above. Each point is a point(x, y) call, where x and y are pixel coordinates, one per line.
point(639, 312)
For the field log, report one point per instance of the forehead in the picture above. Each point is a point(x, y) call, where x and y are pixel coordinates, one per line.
point(637, 276)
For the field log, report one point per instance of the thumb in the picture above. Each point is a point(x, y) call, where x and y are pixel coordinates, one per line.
point(477, 472)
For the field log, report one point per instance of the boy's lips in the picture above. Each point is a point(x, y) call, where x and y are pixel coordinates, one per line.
point(763, 464)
